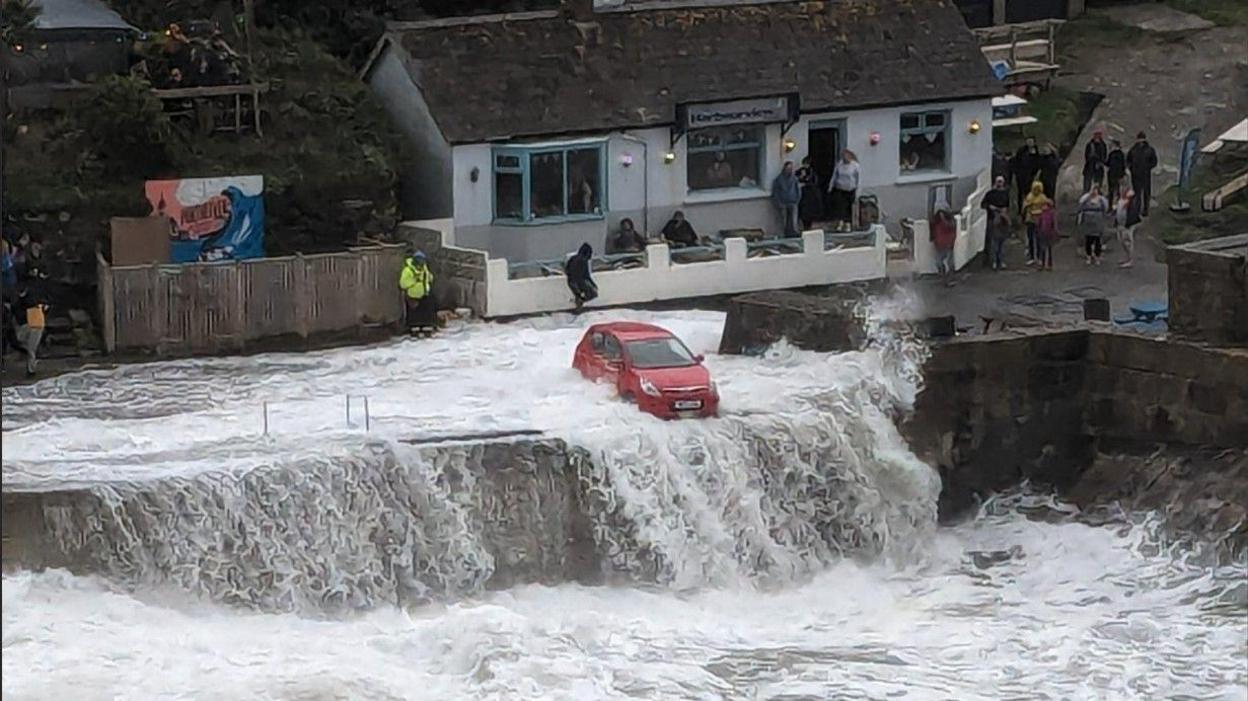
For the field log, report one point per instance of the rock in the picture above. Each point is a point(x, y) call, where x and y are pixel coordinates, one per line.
point(809, 322)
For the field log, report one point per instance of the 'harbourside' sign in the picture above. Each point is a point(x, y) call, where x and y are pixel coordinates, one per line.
point(714, 114)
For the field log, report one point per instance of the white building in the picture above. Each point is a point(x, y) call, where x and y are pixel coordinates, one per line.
point(534, 132)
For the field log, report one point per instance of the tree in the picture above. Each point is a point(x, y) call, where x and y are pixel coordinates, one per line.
point(16, 18)
point(127, 127)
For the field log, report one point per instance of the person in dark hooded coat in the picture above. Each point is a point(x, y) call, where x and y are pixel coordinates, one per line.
point(577, 270)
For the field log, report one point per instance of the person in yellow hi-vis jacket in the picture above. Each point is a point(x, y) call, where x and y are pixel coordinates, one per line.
point(30, 333)
point(416, 281)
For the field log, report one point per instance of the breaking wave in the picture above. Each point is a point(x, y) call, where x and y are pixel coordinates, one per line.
point(805, 468)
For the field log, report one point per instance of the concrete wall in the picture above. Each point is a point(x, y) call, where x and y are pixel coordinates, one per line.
point(660, 279)
point(1208, 289)
point(425, 187)
point(649, 190)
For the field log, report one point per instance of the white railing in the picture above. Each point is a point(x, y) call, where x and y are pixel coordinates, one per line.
point(660, 279)
point(972, 224)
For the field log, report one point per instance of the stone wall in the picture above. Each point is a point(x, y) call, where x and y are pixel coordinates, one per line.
point(1209, 291)
point(459, 273)
point(1144, 389)
point(1040, 405)
point(997, 410)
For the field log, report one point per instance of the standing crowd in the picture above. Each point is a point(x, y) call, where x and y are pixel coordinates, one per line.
point(1117, 188)
point(25, 303)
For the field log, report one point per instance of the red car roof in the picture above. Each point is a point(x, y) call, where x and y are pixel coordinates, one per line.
point(633, 330)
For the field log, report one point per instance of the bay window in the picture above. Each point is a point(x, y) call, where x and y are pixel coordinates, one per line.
point(544, 183)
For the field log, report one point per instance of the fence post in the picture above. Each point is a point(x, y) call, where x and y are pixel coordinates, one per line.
point(302, 310)
point(266, 418)
point(108, 302)
point(367, 421)
point(348, 398)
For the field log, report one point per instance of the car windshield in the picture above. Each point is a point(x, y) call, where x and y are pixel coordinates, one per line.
point(659, 353)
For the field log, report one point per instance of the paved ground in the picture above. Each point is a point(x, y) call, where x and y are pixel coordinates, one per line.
point(1182, 72)
point(1020, 296)
point(1189, 74)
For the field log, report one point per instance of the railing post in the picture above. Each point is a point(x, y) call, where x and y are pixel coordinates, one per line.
point(348, 398)
point(266, 418)
point(367, 418)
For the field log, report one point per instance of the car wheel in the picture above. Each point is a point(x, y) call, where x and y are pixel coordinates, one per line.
point(629, 398)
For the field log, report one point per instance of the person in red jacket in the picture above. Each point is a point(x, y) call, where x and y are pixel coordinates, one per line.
point(944, 233)
point(1047, 235)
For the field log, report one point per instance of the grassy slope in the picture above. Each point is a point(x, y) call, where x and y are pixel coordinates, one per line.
point(1227, 13)
point(326, 140)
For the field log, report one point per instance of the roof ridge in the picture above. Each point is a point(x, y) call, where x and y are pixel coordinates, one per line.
point(408, 25)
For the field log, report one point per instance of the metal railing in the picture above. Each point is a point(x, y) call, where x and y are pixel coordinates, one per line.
point(714, 250)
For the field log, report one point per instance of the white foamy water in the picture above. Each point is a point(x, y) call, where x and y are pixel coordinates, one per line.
point(748, 589)
point(1002, 608)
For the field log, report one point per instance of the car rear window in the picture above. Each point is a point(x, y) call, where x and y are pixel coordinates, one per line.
point(659, 353)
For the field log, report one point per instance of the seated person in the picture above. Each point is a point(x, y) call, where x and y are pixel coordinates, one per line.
point(626, 239)
point(678, 232)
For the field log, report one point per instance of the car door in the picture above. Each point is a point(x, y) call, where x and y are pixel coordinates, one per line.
point(612, 361)
point(594, 361)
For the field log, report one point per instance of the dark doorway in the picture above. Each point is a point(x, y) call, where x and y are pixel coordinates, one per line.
point(1032, 10)
point(978, 13)
point(825, 148)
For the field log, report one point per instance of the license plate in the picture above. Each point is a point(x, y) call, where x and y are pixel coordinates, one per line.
point(684, 404)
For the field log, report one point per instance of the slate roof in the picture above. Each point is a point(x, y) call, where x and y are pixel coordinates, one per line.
point(574, 70)
point(78, 14)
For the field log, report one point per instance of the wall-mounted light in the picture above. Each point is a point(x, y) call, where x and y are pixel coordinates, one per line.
point(789, 145)
point(474, 174)
point(669, 157)
point(626, 160)
point(875, 138)
point(974, 127)
point(17, 48)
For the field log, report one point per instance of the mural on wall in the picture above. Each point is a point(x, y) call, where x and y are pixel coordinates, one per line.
point(211, 218)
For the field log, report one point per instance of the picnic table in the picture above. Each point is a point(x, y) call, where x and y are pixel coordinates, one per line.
point(1145, 313)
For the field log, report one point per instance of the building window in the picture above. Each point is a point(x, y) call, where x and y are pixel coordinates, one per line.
point(924, 141)
point(542, 183)
point(722, 157)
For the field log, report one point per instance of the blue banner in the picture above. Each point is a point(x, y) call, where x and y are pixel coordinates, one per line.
point(1187, 157)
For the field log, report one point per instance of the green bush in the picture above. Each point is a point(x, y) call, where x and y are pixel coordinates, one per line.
point(127, 128)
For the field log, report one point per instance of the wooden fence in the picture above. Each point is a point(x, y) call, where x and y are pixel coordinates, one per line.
point(214, 307)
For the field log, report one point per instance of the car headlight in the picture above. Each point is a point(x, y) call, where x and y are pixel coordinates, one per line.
point(714, 388)
point(648, 387)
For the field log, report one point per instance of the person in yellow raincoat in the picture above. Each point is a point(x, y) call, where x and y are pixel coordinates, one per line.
point(416, 281)
point(1033, 207)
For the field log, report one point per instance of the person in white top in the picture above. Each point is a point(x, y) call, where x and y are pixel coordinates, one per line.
point(842, 189)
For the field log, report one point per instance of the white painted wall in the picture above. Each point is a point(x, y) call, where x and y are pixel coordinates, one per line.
point(425, 188)
point(972, 222)
point(711, 211)
point(661, 280)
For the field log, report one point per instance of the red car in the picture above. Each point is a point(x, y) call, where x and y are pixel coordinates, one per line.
point(650, 366)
